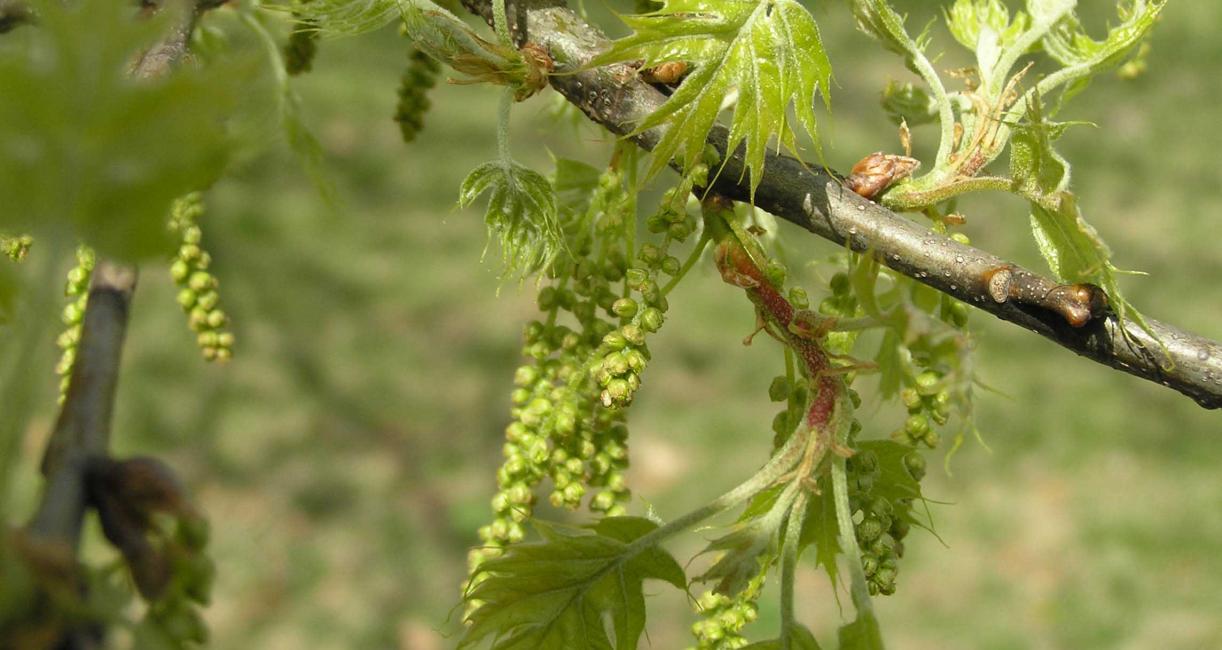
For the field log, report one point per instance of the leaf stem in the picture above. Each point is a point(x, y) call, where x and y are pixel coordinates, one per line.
point(502, 128)
point(789, 564)
point(690, 262)
point(500, 21)
point(776, 467)
point(848, 540)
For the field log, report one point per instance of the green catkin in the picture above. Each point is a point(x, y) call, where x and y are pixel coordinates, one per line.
point(623, 353)
point(197, 287)
point(16, 248)
point(722, 617)
point(563, 428)
point(419, 76)
point(76, 289)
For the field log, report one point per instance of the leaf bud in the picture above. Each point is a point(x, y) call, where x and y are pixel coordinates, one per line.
point(671, 265)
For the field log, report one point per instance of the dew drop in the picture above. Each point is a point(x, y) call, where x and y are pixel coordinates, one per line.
point(954, 288)
point(1203, 355)
point(959, 259)
point(853, 230)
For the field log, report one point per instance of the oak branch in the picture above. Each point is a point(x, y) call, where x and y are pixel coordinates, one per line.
point(615, 97)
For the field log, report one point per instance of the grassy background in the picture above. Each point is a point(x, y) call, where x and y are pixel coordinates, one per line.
point(347, 454)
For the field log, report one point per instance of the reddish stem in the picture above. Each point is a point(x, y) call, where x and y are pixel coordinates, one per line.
point(737, 268)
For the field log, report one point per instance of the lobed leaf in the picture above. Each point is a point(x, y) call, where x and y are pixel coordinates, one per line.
point(986, 28)
point(878, 19)
point(521, 213)
point(768, 51)
point(751, 544)
point(1083, 57)
point(1073, 249)
point(556, 594)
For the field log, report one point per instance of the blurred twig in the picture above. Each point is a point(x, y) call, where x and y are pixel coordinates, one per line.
point(815, 199)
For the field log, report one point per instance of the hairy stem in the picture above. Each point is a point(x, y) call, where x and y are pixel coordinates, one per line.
point(789, 564)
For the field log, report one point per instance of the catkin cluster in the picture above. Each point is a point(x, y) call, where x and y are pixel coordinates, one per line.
point(723, 617)
point(419, 76)
point(197, 292)
point(881, 523)
point(76, 288)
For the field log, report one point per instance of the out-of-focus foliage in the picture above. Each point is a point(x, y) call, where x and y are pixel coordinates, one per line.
point(82, 140)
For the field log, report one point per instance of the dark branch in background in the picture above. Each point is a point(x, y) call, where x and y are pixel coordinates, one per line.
point(83, 429)
point(77, 455)
point(806, 195)
point(13, 14)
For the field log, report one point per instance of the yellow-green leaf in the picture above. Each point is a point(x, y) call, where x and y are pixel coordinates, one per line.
point(769, 51)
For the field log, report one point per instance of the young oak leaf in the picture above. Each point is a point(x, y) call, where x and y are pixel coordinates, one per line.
point(752, 540)
point(1083, 57)
point(769, 51)
point(445, 37)
point(558, 593)
point(1072, 247)
point(521, 213)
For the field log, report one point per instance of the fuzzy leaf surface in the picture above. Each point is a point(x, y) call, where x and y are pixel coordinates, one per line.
point(521, 213)
point(769, 51)
point(1083, 57)
point(878, 19)
point(558, 593)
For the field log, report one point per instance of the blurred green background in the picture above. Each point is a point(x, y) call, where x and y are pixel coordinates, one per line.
point(347, 454)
